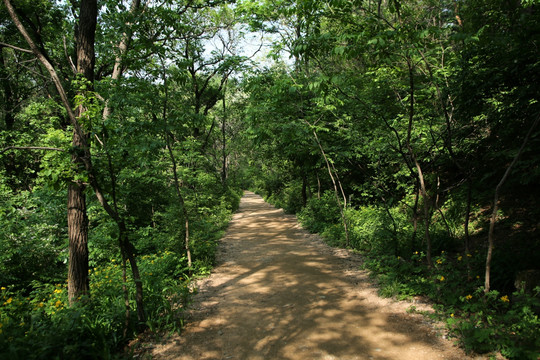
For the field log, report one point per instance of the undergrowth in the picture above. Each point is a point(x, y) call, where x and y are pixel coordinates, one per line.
point(36, 321)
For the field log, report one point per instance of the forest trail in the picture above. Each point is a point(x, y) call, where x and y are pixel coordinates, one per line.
point(280, 293)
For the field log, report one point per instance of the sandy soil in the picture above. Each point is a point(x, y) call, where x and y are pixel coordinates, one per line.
point(280, 293)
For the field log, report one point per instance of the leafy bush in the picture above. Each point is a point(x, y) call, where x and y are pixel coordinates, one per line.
point(43, 326)
point(482, 323)
point(319, 214)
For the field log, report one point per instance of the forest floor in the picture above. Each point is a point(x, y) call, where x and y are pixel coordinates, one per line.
point(279, 292)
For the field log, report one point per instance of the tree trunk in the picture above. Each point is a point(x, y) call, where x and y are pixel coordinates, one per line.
point(224, 143)
point(423, 189)
point(304, 189)
point(415, 216)
point(182, 203)
point(9, 101)
point(467, 240)
point(129, 252)
point(125, 291)
point(318, 186)
point(493, 220)
point(78, 283)
point(336, 191)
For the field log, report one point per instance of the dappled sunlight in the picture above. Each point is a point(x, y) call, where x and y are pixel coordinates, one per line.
point(276, 296)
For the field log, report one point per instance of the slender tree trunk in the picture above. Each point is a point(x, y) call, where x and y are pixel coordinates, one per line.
point(493, 219)
point(182, 204)
point(423, 189)
point(177, 184)
point(224, 143)
point(336, 191)
point(318, 186)
point(467, 240)
point(125, 291)
point(128, 250)
point(415, 216)
point(304, 189)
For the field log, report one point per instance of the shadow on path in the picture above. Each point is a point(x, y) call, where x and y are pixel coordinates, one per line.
point(278, 295)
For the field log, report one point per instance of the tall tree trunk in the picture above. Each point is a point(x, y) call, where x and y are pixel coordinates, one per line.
point(423, 189)
point(177, 185)
point(335, 182)
point(78, 283)
point(88, 7)
point(224, 142)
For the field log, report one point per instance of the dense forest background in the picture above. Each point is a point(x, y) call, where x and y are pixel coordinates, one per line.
point(405, 130)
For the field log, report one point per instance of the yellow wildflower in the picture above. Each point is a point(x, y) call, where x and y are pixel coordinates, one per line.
point(58, 303)
point(459, 258)
point(505, 298)
point(478, 276)
point(469, 255)
point(468, 297)
point(8, 301)
point(441, 278)
point(452, 315)
point(439, 261)
point(3, 288)
point(41, 305)
point(57, 291)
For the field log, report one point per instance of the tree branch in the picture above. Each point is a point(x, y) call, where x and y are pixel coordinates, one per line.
point(52, 72)
point(29, 148)
point(15, 48)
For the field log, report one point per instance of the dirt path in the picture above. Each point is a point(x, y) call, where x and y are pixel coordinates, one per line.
point(280, 293)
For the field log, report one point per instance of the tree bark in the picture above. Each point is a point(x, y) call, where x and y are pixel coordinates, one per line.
point(78, 283)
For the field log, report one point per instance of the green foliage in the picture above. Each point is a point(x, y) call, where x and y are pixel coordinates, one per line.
point(320, 213)
point(31, 229)
point(42, 325)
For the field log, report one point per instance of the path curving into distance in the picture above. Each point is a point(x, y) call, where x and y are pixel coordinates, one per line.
point(280, 293)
